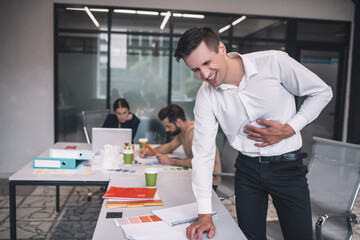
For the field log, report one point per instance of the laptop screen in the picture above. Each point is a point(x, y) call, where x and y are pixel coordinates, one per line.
point(113, 136)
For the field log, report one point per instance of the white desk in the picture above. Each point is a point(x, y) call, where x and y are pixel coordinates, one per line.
point(174, 189)
point(226, 228)
point(25, 176)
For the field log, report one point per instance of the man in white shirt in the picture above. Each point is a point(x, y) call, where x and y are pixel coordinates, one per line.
point(251, 96)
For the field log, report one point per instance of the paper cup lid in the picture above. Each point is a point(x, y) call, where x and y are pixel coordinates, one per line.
point(151, 170)
point(128, 151)
point(143, 139)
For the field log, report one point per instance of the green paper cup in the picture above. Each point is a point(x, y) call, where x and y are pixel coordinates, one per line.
point(150, 177)
point(128, 157)
point(141, 140)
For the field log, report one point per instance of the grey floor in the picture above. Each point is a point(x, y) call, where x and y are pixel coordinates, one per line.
point(37, 218)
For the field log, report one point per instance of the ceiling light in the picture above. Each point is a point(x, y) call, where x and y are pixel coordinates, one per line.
point(75, 9)
point(92, 17)
point(99, 10)
point(166, 19)
point(147, 13)
point(232, 24)
point(91, 9)
point(177, 14)
point(193, 15)
point(225, 28)
point(128, 11)
point(238, 20)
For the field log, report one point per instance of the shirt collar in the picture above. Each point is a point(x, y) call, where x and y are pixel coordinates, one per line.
point(250, 70)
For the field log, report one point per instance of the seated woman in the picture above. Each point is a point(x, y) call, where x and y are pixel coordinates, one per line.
point(122, 117)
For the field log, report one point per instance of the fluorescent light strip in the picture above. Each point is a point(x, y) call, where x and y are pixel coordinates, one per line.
point(92, 17)
point(99, 10)
point(147, 13)
point(91, 9)
point(238, 20)
point(166, 19)
point(232, 24)
point(128, 11)
point(177, 14)
point(225, 28)
point(163, 14)
point(184, 15)
point(192, 16)
point(75, 9)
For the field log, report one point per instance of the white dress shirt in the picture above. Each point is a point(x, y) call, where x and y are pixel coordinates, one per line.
point(267, 90)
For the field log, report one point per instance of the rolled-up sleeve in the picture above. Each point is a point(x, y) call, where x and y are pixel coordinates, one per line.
point(300, 81)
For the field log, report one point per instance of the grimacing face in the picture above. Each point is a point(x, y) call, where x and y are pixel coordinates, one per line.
point(122, 114)
point(208, 65)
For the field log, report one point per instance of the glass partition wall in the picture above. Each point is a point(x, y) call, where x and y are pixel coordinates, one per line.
point(103, 53)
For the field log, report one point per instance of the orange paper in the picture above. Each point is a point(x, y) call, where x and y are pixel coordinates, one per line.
point(130, 193)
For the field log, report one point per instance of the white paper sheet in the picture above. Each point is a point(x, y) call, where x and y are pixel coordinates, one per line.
point(178, 214)
point(186, 213)
point(151, 159)
point(155, 230)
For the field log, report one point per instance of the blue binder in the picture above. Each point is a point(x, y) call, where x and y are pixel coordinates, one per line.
point(70, 153)
point(59, 163)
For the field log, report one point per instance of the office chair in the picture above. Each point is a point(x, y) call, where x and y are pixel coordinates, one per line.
point(334, 180)
point(91, 119)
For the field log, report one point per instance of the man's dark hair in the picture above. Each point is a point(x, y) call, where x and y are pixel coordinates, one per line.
point(192, 38)
point(173, 112)
point(120, 103)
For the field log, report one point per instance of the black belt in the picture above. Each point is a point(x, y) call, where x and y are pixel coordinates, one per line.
point(290, 156)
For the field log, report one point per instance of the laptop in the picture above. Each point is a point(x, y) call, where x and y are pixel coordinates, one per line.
point(113, 136)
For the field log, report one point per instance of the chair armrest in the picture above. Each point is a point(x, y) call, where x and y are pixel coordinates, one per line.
point(322, 219)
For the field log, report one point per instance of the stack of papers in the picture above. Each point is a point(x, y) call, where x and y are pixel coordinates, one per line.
point(132, 197)
point(155, 230)
point(173, 226)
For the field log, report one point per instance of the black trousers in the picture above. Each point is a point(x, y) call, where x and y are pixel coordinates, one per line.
point(286, 183)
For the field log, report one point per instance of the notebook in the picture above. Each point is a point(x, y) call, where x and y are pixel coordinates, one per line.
point(113, 136)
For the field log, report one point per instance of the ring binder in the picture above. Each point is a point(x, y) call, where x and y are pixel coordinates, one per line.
point(61, 163)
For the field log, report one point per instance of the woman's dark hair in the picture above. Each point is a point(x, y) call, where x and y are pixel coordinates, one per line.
point(172, 112)
point(192, 38)
point(120, 103)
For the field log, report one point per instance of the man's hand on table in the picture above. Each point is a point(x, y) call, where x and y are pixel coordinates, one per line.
point(204, 223)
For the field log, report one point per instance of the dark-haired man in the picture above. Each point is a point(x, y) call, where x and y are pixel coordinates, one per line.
point(251, 96)
point(175, 123)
